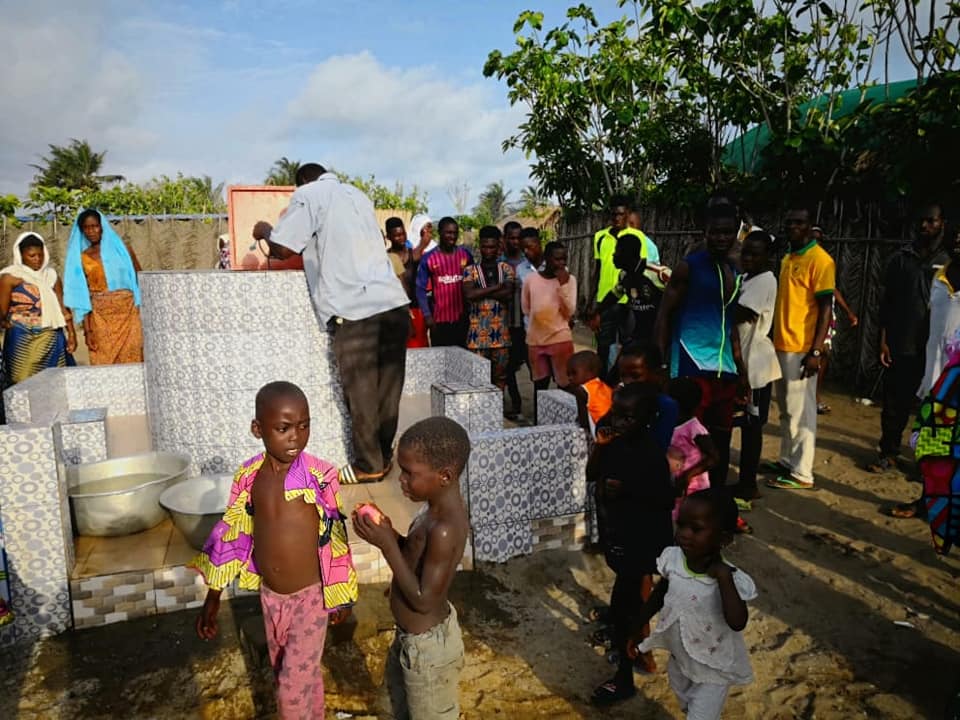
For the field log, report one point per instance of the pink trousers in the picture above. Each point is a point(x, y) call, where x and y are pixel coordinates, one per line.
point(296, 627)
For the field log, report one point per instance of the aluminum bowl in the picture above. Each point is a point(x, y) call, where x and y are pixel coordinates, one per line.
point(196, 504)
point(121, 496)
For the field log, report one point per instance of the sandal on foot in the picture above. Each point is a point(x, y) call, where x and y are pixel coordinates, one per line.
point(599, 613)
point(823, 409)
point(788, 482)
point(348, 476)
point(645, 663)
point(601, 638)
point(743, 527)
point(743, 505)
point(884, 464)
point(769, 467)
point(611, 693)
point(905, 511)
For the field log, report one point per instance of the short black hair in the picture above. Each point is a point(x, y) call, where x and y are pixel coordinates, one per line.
point(489, 231)
point(308, 172)
point(30, 241)
point(530, 233)
point(440, 442)
point(921, 208)
point(686, 392)
point(511, 226)
point(646, 350)
point(719, 212)
point(587, 358)
point(801, 202)
point(722, 506)
point(552, 247)
point(86, 215)
point(273, 391)
point(759, 236)
point(643, 396)
point(629, 242)
point(446, 220)
point(620, 201)
point(392, 223)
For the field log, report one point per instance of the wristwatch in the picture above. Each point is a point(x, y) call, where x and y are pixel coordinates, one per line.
point(815, 353)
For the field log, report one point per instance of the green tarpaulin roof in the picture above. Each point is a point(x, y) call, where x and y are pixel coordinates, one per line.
point(739, 152)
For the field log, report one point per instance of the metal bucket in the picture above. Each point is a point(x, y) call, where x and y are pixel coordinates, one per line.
point(196, 505)
point(121, 496)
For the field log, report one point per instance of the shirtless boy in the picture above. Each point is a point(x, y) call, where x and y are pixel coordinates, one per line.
point(424, 662)
point(296, 553)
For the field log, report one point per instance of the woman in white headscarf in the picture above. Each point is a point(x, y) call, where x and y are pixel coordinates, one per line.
point(39, 330)
point(421, 232)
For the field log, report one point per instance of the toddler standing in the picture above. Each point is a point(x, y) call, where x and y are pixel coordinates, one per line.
point(703, 599)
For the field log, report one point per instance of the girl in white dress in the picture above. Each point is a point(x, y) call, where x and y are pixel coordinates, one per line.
point(703, 599)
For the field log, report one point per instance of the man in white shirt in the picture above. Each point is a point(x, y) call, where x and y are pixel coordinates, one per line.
point(357, 296)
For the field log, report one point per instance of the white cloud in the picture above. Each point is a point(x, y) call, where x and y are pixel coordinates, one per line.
point(58, 82)
point(164, 97)
point(413, 124)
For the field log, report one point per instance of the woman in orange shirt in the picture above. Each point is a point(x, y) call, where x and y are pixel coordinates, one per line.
point(100, 286)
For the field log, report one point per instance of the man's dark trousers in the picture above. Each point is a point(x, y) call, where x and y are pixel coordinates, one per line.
point(900, 383)
point(371, 356)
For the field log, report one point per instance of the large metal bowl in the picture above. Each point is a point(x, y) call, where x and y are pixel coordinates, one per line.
point(121, 496)
point(196, 505)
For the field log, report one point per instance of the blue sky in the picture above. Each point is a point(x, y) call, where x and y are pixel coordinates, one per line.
point(225, 87)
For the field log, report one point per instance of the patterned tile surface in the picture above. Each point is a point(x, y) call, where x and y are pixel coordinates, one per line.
point(16, 401)
point(478, 408)
point(82, 442)
point(498, 542)
point(28, 469)
point(556, 407)
point(206, 361)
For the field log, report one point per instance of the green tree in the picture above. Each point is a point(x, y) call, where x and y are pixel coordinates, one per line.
point(283, 172)
point(56, 202)
point(413, 200)
point(493, 203)
point(74, 167)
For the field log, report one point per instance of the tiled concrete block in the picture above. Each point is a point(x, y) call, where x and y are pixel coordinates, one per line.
point(556, 407)
point(478, 408)
point(81, 437)
point(28, 468)
point(498, 542)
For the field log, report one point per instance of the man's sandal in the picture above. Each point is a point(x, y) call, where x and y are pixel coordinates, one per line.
point(884, 464)
point(610, 693)
point(906, 511)
point(769, 467)
point(787, 482)
point(348, 476)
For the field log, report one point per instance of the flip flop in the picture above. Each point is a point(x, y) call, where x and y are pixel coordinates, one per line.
point(823, 409)
point(884, 464)
point(348, 476)
point(769, 467)
point(743, 505)
point(787, 482)
point(610, 693)
point(905, 511)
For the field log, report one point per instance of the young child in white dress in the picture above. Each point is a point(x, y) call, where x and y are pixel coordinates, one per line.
point(703, 602)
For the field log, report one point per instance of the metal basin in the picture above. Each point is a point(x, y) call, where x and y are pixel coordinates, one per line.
point(121, 496)
point(196, 504)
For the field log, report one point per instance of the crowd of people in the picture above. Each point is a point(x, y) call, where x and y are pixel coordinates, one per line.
point(683, 357)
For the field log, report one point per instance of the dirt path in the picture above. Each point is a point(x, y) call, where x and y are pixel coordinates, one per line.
point(833, 573)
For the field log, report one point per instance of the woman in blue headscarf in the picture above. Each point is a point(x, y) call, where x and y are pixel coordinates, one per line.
point(100, 287)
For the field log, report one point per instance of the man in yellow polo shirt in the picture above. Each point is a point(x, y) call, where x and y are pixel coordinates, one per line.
point(606, 275)
point(800, 324)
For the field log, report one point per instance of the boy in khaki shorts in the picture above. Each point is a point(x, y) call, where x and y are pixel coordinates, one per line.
point(425, 659)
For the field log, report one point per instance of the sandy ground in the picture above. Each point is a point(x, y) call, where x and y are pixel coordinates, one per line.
point(833, 574)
